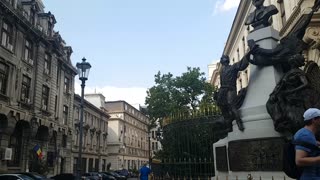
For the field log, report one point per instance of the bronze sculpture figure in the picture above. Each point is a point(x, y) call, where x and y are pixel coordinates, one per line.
point(296, 91)
point(261, 16)
point(227, 96)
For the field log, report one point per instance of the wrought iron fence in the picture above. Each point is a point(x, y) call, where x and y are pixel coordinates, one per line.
point(187, 147)
point(191, 168)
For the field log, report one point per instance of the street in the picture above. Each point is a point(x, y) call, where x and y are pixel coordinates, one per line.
point(132, 179)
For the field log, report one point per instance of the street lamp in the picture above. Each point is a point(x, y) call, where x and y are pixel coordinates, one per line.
point(83, 71)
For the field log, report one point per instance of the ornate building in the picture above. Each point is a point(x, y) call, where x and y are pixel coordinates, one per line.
point(128, 136)
point(94, 153)
point(36, 89)
point(155, 137)
point(290, 13)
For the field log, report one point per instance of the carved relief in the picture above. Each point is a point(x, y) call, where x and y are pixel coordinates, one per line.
point(313, 37)
point(256, 155)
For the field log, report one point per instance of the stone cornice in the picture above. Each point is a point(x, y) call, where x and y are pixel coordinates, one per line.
point(237, 22)
point(292, 21)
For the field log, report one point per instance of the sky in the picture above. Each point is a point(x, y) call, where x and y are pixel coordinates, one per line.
point(128, 41)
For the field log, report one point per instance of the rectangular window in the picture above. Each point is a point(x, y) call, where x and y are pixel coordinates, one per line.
point(64, 141)
point(75, 165)
point(11, 2)
point(238, 55)
point(28, 52)
point(282, 12)
point(47, 63)
point(104, 165)
point(65, 114)
point(244, 45)
point(49, 28)
point(50, 159)
point(32, 17)
point(96, 166)
point(90, 165)
point(45, 97)
point(25, 89)
point(66, 85)
point(4, 75)
point(7, 36)
point(153, 135)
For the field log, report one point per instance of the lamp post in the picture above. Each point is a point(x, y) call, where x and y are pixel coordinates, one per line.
point(83, 71)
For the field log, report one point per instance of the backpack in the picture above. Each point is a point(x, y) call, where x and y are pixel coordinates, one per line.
point(289, 158)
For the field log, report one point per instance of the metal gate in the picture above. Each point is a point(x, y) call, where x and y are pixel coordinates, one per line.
point(188, 148)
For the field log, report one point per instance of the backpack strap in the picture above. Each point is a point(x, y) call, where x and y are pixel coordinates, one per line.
point(306, 144)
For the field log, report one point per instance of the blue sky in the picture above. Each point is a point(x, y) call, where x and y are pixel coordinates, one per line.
point(128, 41)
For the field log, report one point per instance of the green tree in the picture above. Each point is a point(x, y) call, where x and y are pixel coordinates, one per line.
point(178, 95)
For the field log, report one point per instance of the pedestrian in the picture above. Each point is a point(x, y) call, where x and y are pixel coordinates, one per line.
point(307, 158)
point(144, 172)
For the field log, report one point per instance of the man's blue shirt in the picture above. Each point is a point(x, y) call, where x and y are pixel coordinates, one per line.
point(144, 172)
point(309, 172)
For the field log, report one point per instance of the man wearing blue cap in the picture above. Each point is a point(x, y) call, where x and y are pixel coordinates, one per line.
point(305, 157)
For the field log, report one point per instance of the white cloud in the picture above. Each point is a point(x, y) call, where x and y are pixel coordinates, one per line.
point(225, 5)
point(132, 95)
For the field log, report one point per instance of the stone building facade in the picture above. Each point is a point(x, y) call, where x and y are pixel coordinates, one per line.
point(128, 136)
point(36, 89)
point(155, 137)
point(290, 13)
point(95, 132)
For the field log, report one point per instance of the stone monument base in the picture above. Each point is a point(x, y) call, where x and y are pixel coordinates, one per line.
point(238, 157)
point(253, 175)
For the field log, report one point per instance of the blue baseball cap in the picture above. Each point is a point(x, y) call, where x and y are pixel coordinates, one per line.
point(311, 113)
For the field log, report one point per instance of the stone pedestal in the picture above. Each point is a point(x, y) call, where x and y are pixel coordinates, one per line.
point(257, 151)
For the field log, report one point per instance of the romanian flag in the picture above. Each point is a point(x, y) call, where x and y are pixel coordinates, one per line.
point(38, 151)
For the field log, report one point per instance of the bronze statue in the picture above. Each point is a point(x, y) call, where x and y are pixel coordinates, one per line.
point(227, 95)
point(290, 45)
point(261, 16)
point(294, 94)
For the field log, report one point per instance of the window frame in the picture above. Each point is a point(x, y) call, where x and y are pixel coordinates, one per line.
point(47, 63)
point(66, 86)
point(7, 35)
point(45, 97)
point(28, 51)
point(65, 115)
point(25, 88)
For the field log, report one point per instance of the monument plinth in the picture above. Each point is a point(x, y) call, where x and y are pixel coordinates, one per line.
point(257, 151)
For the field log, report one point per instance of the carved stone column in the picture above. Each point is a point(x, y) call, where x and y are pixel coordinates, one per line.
point(312, 38)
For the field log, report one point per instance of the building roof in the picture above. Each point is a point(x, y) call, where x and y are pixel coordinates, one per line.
point(87, 103)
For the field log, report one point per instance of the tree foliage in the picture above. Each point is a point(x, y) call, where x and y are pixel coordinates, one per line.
point(181, 94)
